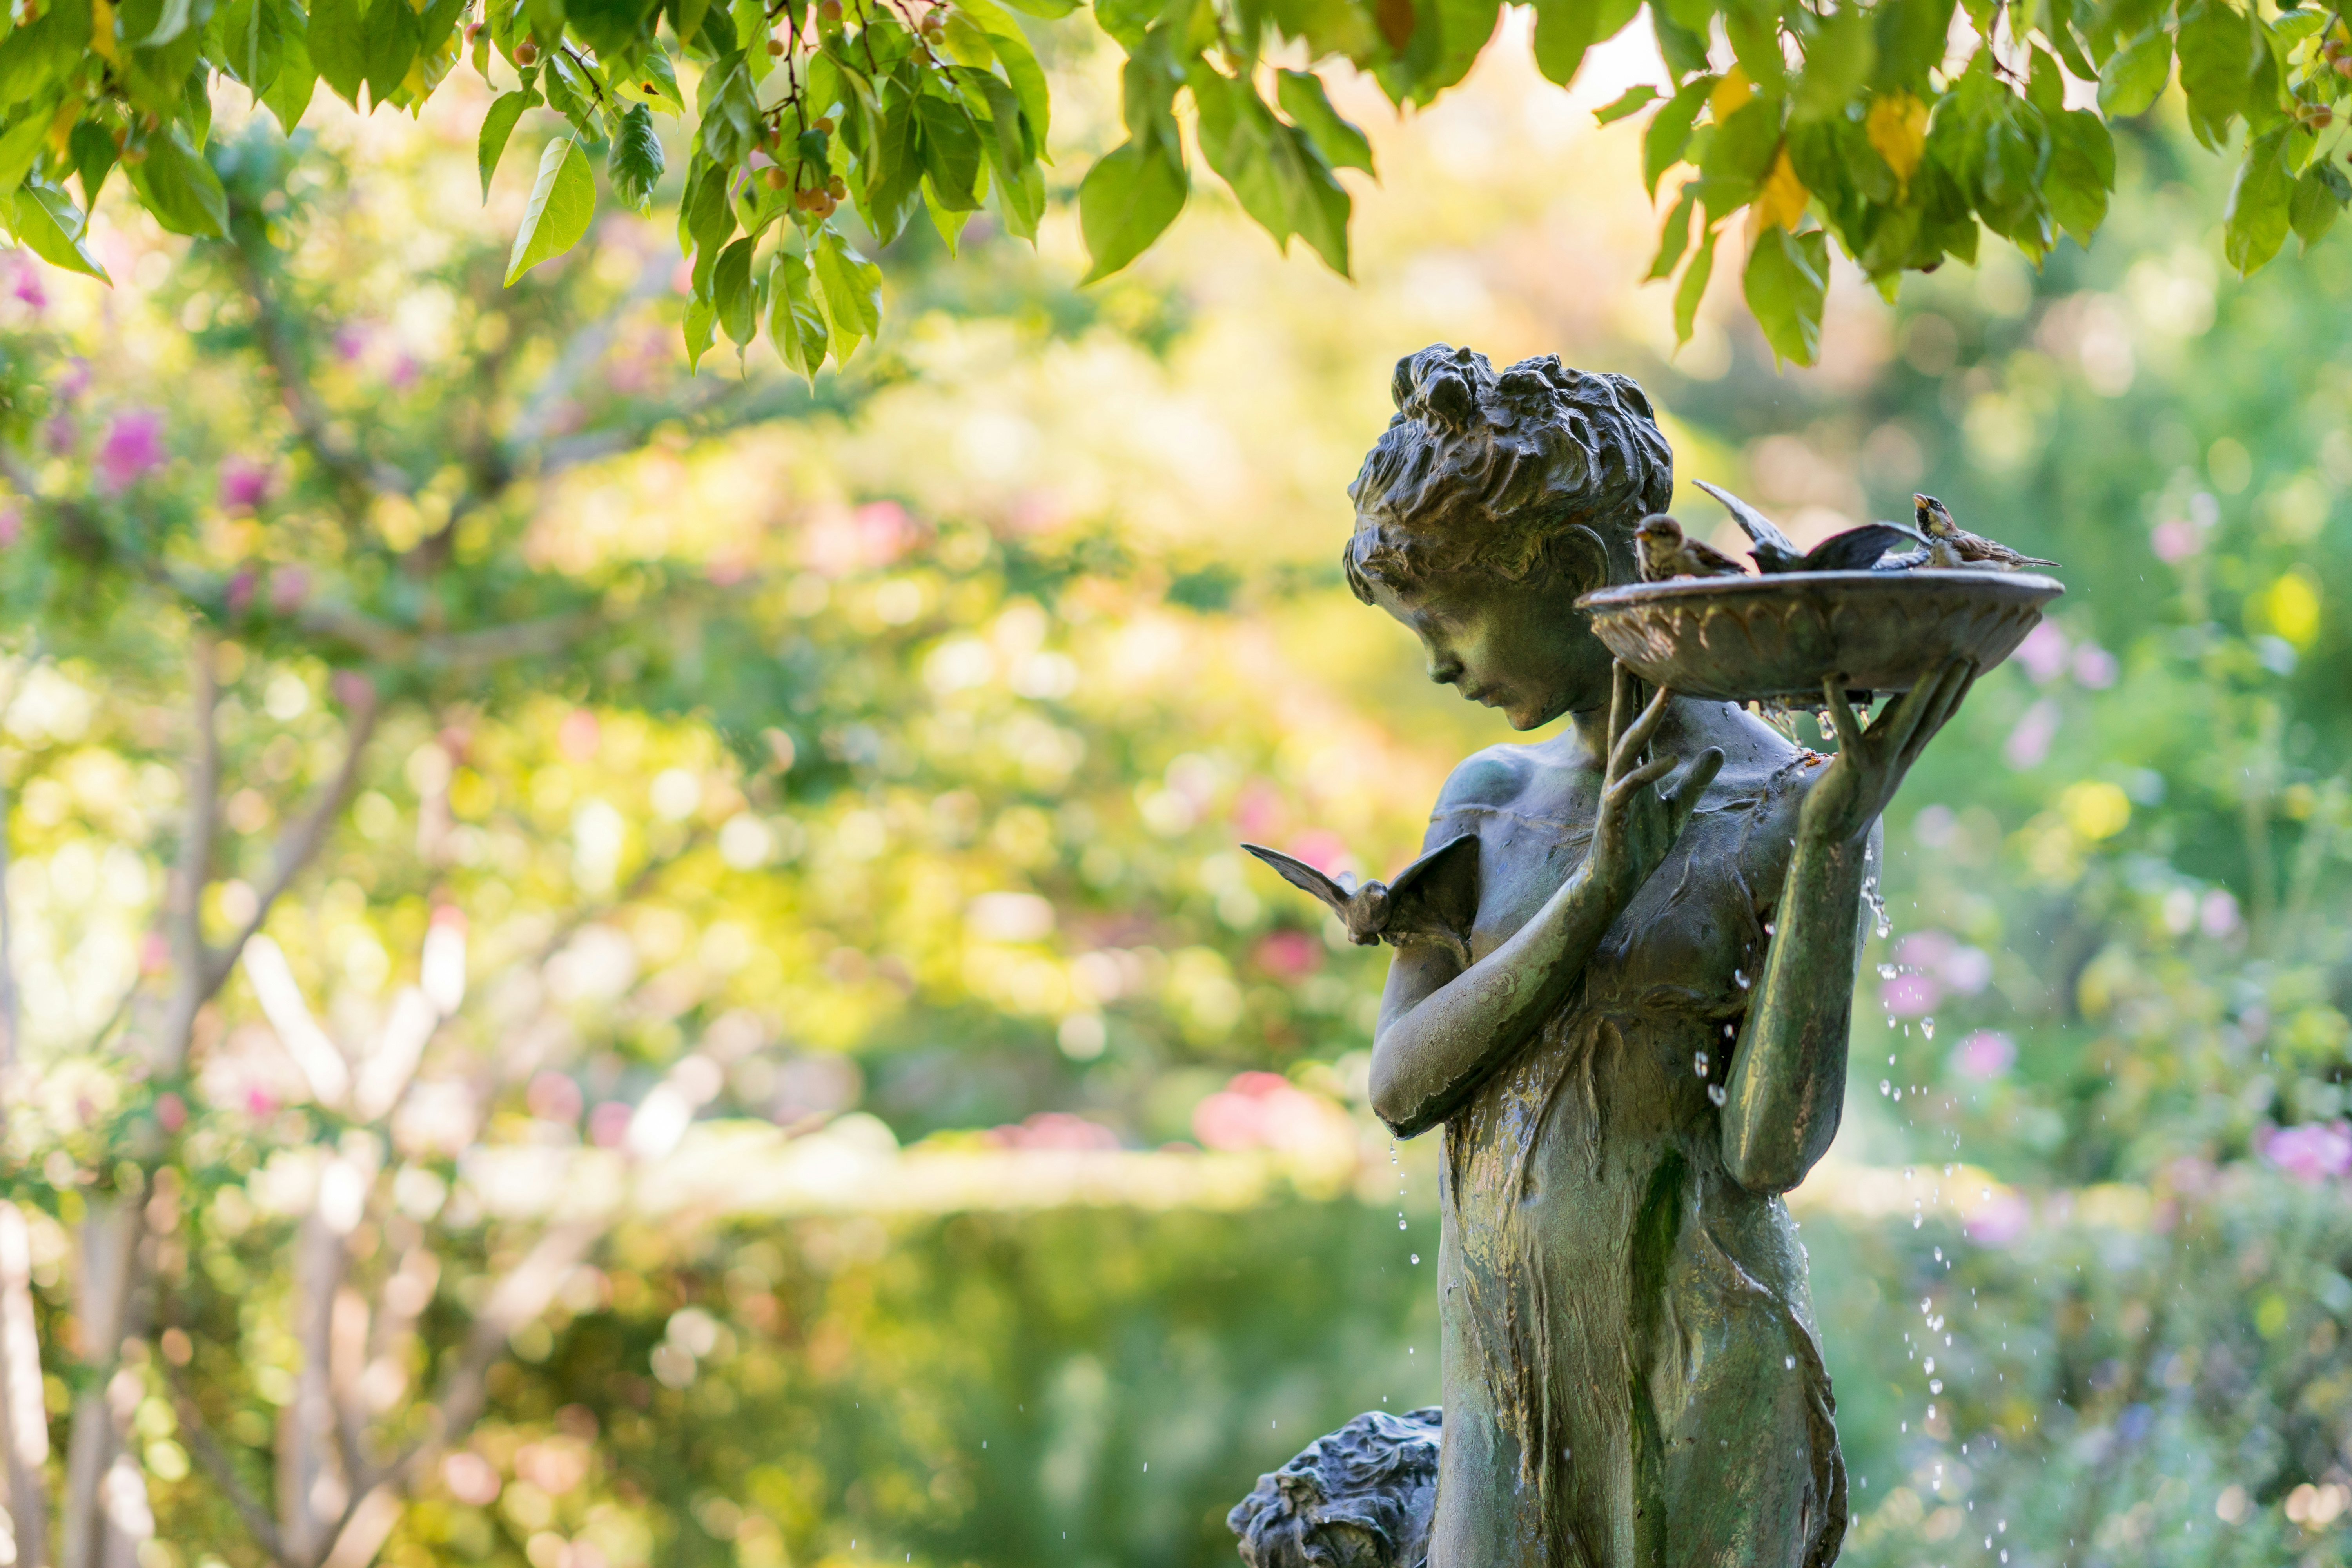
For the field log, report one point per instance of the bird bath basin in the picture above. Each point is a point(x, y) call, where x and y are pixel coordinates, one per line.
point(1777, 638)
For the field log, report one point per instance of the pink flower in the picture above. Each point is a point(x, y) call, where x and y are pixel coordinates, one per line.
point(1999, 1220)
point(1261, 1110)
point(351, 688)
point(12, 526)
point(2310, 1153)
point(1323, 849)
point(2218, 914)
point(1055, 1129)
point(2043, 653)
point(1909, 995)
point(1290, 953)
point(2175, 539)
point(576, 737)
point(552, 1096)
point(1985, 1053)
point(288, 589)
point(28, 287)
point(2094, 667)
point(133, 448)
point(608, 1124)
point(2030, 741)
point(243, 485)
point(240, 590)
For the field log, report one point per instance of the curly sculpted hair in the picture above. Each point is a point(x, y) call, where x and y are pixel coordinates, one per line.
point(1505, 473)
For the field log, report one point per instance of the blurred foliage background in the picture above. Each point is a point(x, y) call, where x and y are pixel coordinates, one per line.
point(700, 1004)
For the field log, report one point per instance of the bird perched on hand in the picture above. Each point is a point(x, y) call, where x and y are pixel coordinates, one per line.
point(1435, 898)
point(1666, 552)
point(1951, 546)
point(1854, 549)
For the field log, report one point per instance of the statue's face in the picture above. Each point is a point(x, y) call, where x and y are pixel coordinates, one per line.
point(1519, 646)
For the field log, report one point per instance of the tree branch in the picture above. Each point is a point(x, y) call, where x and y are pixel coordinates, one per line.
point(358, 477)
point(299, 844)
point(223, 1470)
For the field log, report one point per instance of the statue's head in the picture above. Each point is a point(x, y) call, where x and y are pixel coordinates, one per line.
point(1489, 503)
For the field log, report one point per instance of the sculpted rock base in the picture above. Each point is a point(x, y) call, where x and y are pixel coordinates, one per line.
point(1362, 1498)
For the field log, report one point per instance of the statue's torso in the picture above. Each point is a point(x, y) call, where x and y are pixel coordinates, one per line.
point(1630, 1366)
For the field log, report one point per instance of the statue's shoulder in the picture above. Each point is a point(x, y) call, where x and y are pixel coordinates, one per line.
point(1498, 776)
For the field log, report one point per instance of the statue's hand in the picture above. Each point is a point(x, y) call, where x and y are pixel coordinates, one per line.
point(1638, 824)
point(1870, 764)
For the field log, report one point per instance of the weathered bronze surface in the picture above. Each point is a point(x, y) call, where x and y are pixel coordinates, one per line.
point(1742, 638)
point(1640, 1040)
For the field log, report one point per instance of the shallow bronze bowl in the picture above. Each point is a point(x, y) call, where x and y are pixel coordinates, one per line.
point(1778, 637)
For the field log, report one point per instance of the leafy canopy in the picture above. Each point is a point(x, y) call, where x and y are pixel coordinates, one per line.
point(1891, 126)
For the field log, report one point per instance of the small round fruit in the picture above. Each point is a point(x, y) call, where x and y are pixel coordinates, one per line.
point(774, 176)
point(836, 187)
point(823, 123)
point(823, 205)
point(134, 154)
point(525, 52)
point(829, 10)
point(775, 46)
point(473, 31)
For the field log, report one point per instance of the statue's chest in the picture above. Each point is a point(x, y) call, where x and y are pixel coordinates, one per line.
point(1691, 940)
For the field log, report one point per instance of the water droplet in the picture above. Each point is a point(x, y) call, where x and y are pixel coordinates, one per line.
point(1767, 928)
point(1789, 1361)
point(1915, 1221)
point(1935, 1385)
point(1714, 1093)
point(1698, 1063)
point(1741, 978)
point(1928, 1027)
point(1931, 1367)
point(1886, 1085)
point(1416, 1258)
point(1400, 1224)
point(1886, 972)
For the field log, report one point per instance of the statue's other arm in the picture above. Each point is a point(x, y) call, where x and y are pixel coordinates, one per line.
point(1788, 1075)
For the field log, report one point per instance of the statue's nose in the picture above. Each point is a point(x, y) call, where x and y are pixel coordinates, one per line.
point(1445, 671)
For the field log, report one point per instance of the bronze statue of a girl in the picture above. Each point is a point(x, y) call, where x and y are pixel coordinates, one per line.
point(1647, 1043)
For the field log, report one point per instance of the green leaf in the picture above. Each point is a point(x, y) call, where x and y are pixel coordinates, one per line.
point(701, 322)
point(2320, 197)
point(1787, 281)
point(2136, 74)
point(611, 28)
point(393, 36)
point(1693, 288)
point(636, 161)
point(729, 111)
point(1631, 101)
point(950, 152)
point(705, 219)
point(653, 83)
point(731, 291)
point(852, 288)
point(1050, 10)
point(289, 96)
point(1020, 63)
point(796, 324)
point(562, 201)
point(92, 149)
point(337, 47)
point(249, 43)
point(180, 188)
point(2216, 64)
point(2255, 223)
point(2082, 172)
point(48, 222)
point(1674, 237)
point(1303, 98)
point(1128, 200)
point(1685, 50)
point(498, 125)
point(1669, 131)
point(22, 141)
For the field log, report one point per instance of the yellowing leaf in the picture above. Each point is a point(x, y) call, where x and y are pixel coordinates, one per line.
point(102, 31)
point(1782, 199)
point(1897, 127)
point(1730, 95)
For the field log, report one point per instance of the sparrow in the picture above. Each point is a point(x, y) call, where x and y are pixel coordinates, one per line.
point(1854, 549)
point(1665, 553)
point(1435, 898)
point(1951, 546)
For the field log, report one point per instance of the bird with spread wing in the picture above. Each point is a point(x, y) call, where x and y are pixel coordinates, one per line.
point(1435, 898)
point(1854, 549)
